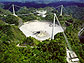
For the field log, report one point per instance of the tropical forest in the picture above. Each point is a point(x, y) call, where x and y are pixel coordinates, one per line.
point(41, 32)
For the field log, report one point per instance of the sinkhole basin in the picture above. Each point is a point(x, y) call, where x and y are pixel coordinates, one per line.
point(40, 30)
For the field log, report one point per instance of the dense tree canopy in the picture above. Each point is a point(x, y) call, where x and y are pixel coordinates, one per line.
point(11, 19)
point(48, 51)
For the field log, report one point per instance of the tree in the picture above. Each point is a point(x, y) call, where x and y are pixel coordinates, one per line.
point(11, 19)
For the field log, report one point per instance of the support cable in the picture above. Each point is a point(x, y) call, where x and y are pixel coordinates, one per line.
point(69, 46)
point(9, 7)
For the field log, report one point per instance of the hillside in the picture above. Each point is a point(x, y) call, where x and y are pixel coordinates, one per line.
point(10, 33)
point(10, 36)
point(16, 48)
point(73, 8)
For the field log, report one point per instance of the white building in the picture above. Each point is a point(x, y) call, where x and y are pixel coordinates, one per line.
point(41, 13)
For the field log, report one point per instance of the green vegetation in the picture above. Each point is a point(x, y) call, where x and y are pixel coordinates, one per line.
point(36, 51)
point(75, 43)
point(43, 52)
point(10, 33)
point(30, 41)
point(11, 19)
point(71, 31)
point(75, 11)
point(1, 5)
point(48, 51)
point(2, 23)
point(29, 11)
point(49, 17)
point(32, 15)
point(28, 18)
point(83, 34)
point(4, 12)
